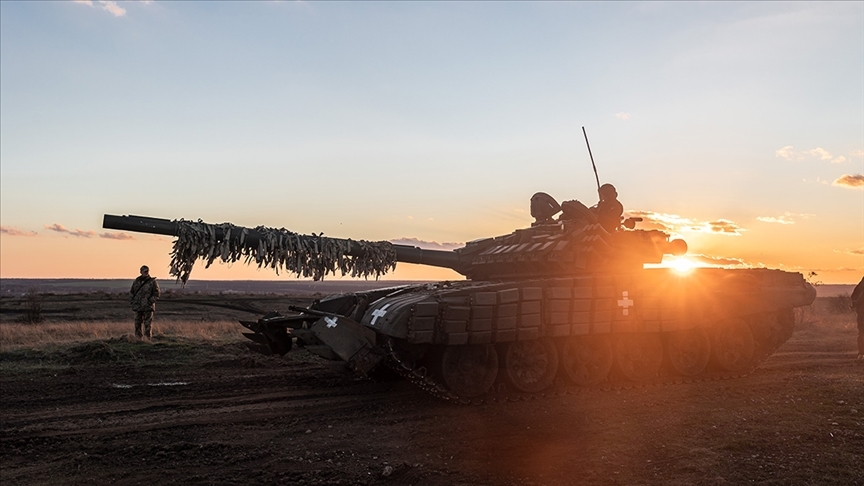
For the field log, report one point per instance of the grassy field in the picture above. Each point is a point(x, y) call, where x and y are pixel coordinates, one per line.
point(18, 335)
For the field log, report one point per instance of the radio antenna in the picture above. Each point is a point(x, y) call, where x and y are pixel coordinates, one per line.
point(592, 158)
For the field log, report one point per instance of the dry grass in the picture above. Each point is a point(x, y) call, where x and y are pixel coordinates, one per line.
point(14, 335)
point(828, 313)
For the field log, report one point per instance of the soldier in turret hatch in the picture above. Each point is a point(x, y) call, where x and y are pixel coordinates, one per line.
point(608, 210)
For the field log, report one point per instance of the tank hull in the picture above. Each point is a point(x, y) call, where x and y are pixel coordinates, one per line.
point(630, 326)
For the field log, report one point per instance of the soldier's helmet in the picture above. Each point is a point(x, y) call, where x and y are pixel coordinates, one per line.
point(607, 191)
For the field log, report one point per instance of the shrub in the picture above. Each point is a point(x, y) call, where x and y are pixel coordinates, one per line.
point(840, 304)
point(33, 307)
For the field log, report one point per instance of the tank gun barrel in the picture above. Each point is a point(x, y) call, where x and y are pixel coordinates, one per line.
point(140, 224)
point(159, 226)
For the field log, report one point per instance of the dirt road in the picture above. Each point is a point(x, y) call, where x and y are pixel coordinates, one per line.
point(186, 412)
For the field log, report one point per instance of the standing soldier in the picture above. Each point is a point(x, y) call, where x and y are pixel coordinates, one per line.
point(858, 305)
point(144, 292)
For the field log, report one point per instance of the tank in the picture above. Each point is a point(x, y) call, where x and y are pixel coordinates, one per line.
point(567, 301)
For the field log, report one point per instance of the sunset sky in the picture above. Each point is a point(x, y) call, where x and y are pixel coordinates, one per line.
point(737, 126)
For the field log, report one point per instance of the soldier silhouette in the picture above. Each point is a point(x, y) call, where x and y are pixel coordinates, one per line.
point(144, 293)
point(609, 210)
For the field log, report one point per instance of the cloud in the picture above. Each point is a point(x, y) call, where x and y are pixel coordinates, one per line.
point(723, 226)
point(858, 154)
point(108, 6)
point(116, 236)
point(659, 221)
point(623, 116)
point(8, 230)
point(826, 155)
point(672, 223)
point(790, 153)
point(785, 218)
point(852, 251)
point(713, 261)
point(852, 181)
point(718, 261)
point(59, 228)
point(427, 245)
point(112, 7)
point(772, 219)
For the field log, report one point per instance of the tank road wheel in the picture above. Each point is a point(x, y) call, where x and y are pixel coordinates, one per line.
point(530, 366)
point(688, 351)
point(732, 345)
point(638, 357)
point(588, 359)
point(469, 371)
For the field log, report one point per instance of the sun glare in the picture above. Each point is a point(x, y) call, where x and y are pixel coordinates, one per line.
point(681, 265)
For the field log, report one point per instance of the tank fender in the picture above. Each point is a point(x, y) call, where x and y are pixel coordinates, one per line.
point(351, 341)
point(390, 315)
point(336, 304)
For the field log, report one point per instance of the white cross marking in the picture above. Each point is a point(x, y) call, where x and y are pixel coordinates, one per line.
point(378, 313)
point(625, 302)
point(331, 321)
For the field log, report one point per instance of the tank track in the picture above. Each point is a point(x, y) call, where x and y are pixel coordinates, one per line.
point(561, 386)
point(420, 378)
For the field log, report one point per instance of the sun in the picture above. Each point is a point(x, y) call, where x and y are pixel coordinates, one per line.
point(681, 265)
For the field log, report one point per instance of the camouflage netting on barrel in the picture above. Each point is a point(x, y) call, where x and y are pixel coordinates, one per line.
point(304, 255)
